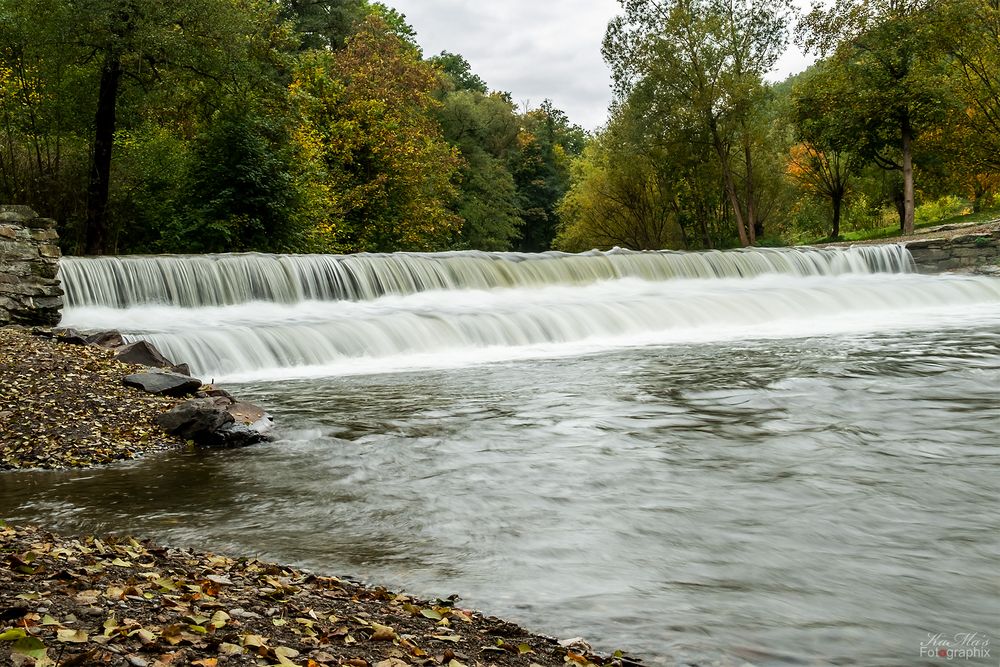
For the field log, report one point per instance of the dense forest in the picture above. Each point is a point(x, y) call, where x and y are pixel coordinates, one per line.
point(291, 125)
point(320, 126)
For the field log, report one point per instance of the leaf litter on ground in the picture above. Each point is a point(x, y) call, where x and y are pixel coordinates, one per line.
point(119, 602)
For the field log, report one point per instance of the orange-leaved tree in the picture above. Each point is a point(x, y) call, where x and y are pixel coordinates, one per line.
point(825, 174)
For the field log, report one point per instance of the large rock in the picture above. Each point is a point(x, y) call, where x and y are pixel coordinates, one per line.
point(17, 214)
point(143, 354)
point(164, 384)
point(111, 339)
point(180, 369)
point(218, 422)
point(198, 419)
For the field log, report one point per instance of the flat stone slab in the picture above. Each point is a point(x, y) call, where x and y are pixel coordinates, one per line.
point(163, 384)
point(143, 354)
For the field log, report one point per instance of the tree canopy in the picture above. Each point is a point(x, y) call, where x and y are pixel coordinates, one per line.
point(319, 127)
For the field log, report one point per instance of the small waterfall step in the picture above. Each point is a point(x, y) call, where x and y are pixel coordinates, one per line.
point(219, 280)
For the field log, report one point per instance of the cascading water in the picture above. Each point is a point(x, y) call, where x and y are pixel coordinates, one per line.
point(216, 280)
point(246, 317)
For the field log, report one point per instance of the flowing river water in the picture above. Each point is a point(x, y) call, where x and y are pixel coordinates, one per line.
point(766, 457)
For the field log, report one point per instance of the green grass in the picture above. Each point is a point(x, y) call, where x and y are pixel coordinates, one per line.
point(893, 230)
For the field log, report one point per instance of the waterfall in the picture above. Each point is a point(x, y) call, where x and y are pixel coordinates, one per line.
point(219, 280)
point(252, 316)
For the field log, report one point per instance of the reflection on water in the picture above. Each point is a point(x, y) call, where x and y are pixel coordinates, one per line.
point(821, 501)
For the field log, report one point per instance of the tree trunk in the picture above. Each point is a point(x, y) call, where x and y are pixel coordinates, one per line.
point(898, 201)
point(837, 203)
point(730, 184)
point(100, 173)
point(908, 192)
point(751, 209)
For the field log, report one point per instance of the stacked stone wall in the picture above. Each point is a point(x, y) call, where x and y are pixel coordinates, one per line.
point(29, 260)
point(957, 253)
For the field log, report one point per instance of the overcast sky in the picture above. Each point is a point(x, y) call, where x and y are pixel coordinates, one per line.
point(534, 49)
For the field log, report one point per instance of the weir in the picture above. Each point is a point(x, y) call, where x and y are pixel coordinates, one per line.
point(252, 317)
point(217, 280)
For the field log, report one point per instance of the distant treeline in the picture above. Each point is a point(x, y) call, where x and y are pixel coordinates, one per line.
point(271, 125)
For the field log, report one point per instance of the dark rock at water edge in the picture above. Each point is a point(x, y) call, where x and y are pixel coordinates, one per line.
point(198, 419)
point(163, 384)
point(214, 392)
point(218, 422)
point(70, 337)
point(110, 339)
point(181, 369)
point(143, 354)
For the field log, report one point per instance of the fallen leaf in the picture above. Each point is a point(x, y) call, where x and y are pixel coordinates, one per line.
point(71, 636)
point(30, 647)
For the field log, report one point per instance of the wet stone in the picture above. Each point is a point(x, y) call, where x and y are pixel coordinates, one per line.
point(163, 384)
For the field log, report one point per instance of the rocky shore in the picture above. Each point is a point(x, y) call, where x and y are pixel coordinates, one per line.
point(119, 601)
point(65, 406)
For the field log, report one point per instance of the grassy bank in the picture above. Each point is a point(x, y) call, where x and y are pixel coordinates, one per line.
point(890, 232)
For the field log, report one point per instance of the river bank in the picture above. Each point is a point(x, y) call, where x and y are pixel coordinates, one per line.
point(120, 601)
point(64, 406)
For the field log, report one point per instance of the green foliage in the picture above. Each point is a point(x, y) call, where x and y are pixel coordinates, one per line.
point(620, 197)
point(949, 206)
point(150, 190)
point(881, 87)
point(242, 193)
point(459, 72)
point(488, 205)
point(697, 69)
point(381, 175)
point(546, 143)
point(323, 24)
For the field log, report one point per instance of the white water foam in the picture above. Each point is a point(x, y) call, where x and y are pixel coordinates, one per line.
point(442, 329)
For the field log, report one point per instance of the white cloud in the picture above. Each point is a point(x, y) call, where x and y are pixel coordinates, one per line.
point(534, 49)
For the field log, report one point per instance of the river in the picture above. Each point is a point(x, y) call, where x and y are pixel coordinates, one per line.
point(787, 468)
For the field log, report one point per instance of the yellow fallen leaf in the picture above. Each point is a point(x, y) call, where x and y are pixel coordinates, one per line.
point(71, 636)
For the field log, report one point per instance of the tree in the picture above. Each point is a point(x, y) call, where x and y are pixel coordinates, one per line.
point(618, 202)
point(110, 45)
point(880, 79)
point(702, 62)
point(484, 129)
point(824, 174)
point(323, 24)
point(379, 175)
point(242, 194)
point(546, 142)
point(457, 69)
point(821, 161)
